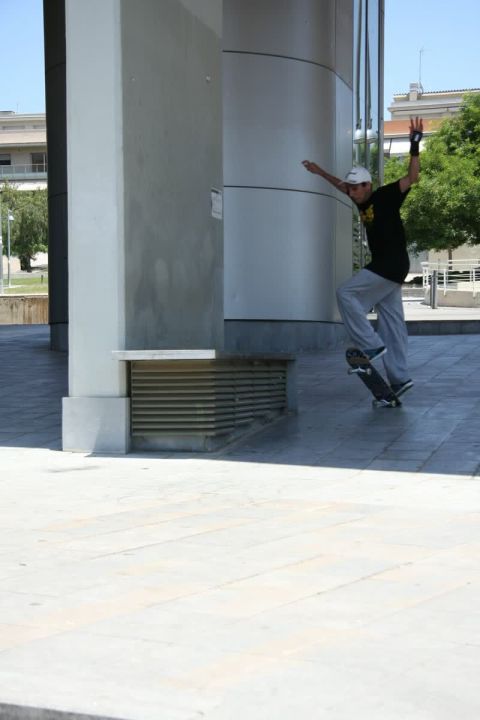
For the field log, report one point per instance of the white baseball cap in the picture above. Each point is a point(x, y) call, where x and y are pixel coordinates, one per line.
point(358, 175)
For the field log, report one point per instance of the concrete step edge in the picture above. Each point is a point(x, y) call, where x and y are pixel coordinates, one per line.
point(25, 712)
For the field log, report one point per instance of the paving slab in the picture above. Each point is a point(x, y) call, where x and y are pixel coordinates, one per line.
point(326, 566)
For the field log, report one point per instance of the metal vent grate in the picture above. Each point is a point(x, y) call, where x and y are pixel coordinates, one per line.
point(208, 398)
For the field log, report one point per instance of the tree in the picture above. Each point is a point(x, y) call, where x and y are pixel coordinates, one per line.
point(460, 135)
point(31, 234)
point(442, 211)
point(29, 230)
point(395, 168)
point(9, 201)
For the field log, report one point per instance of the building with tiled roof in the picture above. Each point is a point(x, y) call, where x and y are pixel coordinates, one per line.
point(429, 105)
point(433, 107)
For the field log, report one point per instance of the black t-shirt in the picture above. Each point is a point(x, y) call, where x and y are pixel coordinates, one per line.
point(385, 233)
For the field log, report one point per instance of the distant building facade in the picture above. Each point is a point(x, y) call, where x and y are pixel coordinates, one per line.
point(23, 149)
point(433, 107)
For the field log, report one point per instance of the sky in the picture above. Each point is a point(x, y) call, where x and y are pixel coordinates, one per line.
point(447, 32)
point(22, 75)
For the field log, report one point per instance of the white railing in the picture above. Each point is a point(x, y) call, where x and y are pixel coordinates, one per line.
point(448, 275)
point(23, 171)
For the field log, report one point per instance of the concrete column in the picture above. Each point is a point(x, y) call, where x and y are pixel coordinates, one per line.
point(55, 96)
point(144, 114)
point(172, 113)
point(287, 97)
point(95, 416)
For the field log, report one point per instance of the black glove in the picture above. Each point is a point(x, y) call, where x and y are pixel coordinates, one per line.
point(415, 138)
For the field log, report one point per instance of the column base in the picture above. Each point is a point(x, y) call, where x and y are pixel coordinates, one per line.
point(96, 424)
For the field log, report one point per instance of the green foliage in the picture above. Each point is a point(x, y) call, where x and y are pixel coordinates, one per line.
point(29, 229)
point(34, 284)
point(394, 169)
point(460, 135)
point(442, 211)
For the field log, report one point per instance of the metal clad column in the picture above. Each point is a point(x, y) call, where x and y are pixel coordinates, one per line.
point(287, 97)
point(172, 140)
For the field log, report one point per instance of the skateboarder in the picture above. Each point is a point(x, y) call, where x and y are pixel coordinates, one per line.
point(380, 282)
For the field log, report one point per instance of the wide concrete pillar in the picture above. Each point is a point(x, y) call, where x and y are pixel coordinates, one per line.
point(55, 97)
point(144, 152)
point(172, 134)
point(287, 97)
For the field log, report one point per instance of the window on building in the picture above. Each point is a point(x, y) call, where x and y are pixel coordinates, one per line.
point(39, 162)
point(5, 159)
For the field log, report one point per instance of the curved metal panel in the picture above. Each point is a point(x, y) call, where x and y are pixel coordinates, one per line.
point(277, 112)
point(344, 40)
point(343, 129)
point(303, 29)
point(279, 255)
point(343, 248)
point(287, 97)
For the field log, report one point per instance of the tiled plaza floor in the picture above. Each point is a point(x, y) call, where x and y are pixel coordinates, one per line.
point(326, 567)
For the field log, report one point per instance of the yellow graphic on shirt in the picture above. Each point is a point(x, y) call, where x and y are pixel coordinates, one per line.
point(368, 216)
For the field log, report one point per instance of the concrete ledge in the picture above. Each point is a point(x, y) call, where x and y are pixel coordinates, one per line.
point(22, 712)
point(459, 298)
point(198, 400)
point(23, 309)
point(440, 327)
point(443, 327)
point(201, 354)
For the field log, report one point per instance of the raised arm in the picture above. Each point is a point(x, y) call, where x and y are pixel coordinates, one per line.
point(317, 170)
point(416, 134)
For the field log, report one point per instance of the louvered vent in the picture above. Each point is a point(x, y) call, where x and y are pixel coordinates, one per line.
point(207, 398)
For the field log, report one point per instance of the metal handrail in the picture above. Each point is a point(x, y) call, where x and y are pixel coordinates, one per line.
point(26, 169)
point(452, 275)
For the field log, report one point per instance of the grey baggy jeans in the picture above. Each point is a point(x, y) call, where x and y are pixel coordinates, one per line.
point(355, 299)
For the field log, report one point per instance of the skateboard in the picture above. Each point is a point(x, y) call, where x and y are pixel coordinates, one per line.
point(382, 392)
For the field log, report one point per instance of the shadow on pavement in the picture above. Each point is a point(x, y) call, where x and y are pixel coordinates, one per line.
point(437, 430)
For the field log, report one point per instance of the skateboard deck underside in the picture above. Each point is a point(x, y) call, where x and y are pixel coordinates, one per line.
point(371, 378)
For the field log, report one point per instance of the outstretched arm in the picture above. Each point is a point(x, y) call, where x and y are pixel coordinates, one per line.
point(317, 170)
point(416, 134)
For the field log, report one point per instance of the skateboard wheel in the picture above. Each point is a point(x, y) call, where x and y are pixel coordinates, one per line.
point(385, 403)
point(368, 371)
